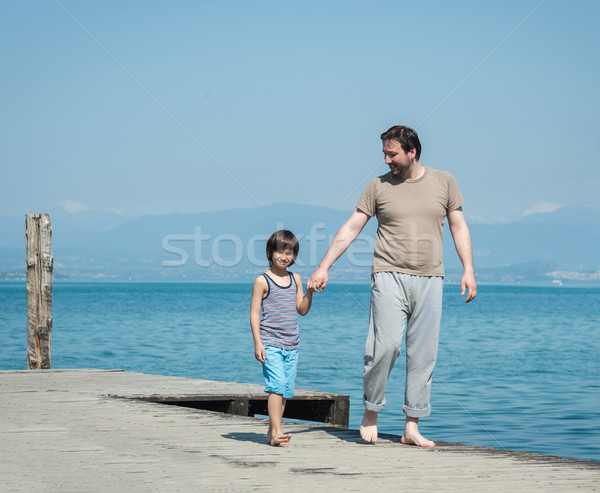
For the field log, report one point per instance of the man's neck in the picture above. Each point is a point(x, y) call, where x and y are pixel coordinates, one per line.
point(416, 171)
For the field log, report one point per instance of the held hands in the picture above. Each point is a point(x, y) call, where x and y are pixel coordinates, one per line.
point(317, 281)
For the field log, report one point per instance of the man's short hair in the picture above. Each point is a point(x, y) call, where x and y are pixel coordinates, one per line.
point(406, 137)
point(282, 240)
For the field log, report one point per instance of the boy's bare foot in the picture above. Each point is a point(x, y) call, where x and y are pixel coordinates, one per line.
point(280, 440)
point(411, 435)
point(368, 427)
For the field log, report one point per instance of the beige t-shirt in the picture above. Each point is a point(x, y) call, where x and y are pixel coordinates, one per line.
point(410, 216)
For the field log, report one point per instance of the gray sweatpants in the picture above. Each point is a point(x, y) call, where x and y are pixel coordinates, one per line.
point(398, 301)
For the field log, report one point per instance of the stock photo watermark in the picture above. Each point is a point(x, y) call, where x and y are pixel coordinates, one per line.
point(229, 250)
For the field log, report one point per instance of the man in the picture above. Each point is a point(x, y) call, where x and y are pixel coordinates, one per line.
point(411, 203)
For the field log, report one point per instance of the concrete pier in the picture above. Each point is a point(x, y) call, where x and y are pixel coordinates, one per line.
point(66, 430)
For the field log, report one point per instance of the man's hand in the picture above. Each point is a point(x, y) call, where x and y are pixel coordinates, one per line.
point(462, 242)
point(468, 283)
point(318, 280)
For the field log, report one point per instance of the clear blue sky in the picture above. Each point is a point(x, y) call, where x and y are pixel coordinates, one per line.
point(156, 107)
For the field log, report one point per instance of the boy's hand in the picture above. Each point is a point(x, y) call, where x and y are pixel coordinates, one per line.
point(259, 353)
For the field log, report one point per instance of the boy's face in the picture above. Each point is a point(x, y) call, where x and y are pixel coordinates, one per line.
point(282, 258)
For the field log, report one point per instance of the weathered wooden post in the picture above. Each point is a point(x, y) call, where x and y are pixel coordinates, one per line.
point(38, 239)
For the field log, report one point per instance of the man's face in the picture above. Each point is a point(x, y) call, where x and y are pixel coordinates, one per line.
point(399, 161)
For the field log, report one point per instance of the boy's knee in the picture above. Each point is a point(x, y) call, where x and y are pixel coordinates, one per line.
point(275, 388)
point(285, 392)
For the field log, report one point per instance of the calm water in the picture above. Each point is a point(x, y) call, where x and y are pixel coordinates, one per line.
point(517, 369)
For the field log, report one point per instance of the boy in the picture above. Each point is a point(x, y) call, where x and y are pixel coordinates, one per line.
point(276, 337)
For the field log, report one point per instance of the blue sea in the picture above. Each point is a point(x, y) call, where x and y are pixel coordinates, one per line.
point(518, 368)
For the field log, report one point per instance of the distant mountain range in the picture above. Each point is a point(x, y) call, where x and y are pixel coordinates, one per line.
point(554, 247)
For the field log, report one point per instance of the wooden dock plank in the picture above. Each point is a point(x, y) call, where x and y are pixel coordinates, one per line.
point(61, 432)
point(236, 398)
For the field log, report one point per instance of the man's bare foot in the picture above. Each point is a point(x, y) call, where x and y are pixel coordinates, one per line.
point(280, 440)
point(415, 438)
point(368, 427)
point(411, 435)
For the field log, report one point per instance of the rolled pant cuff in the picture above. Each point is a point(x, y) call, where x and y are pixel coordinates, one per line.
point(373, 407)
point(282, 392)
point(417, 413)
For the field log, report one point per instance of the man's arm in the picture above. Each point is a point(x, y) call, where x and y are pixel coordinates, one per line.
point(343, 239)
point(462, 243)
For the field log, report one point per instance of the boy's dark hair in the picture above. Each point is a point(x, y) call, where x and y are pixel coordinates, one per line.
point(406, 137)
point(282, 240)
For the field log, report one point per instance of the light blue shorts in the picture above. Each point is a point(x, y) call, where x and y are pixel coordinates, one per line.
point(279, 370)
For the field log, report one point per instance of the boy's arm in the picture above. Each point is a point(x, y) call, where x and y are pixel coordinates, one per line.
point(303, 301)
point(259, 290)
